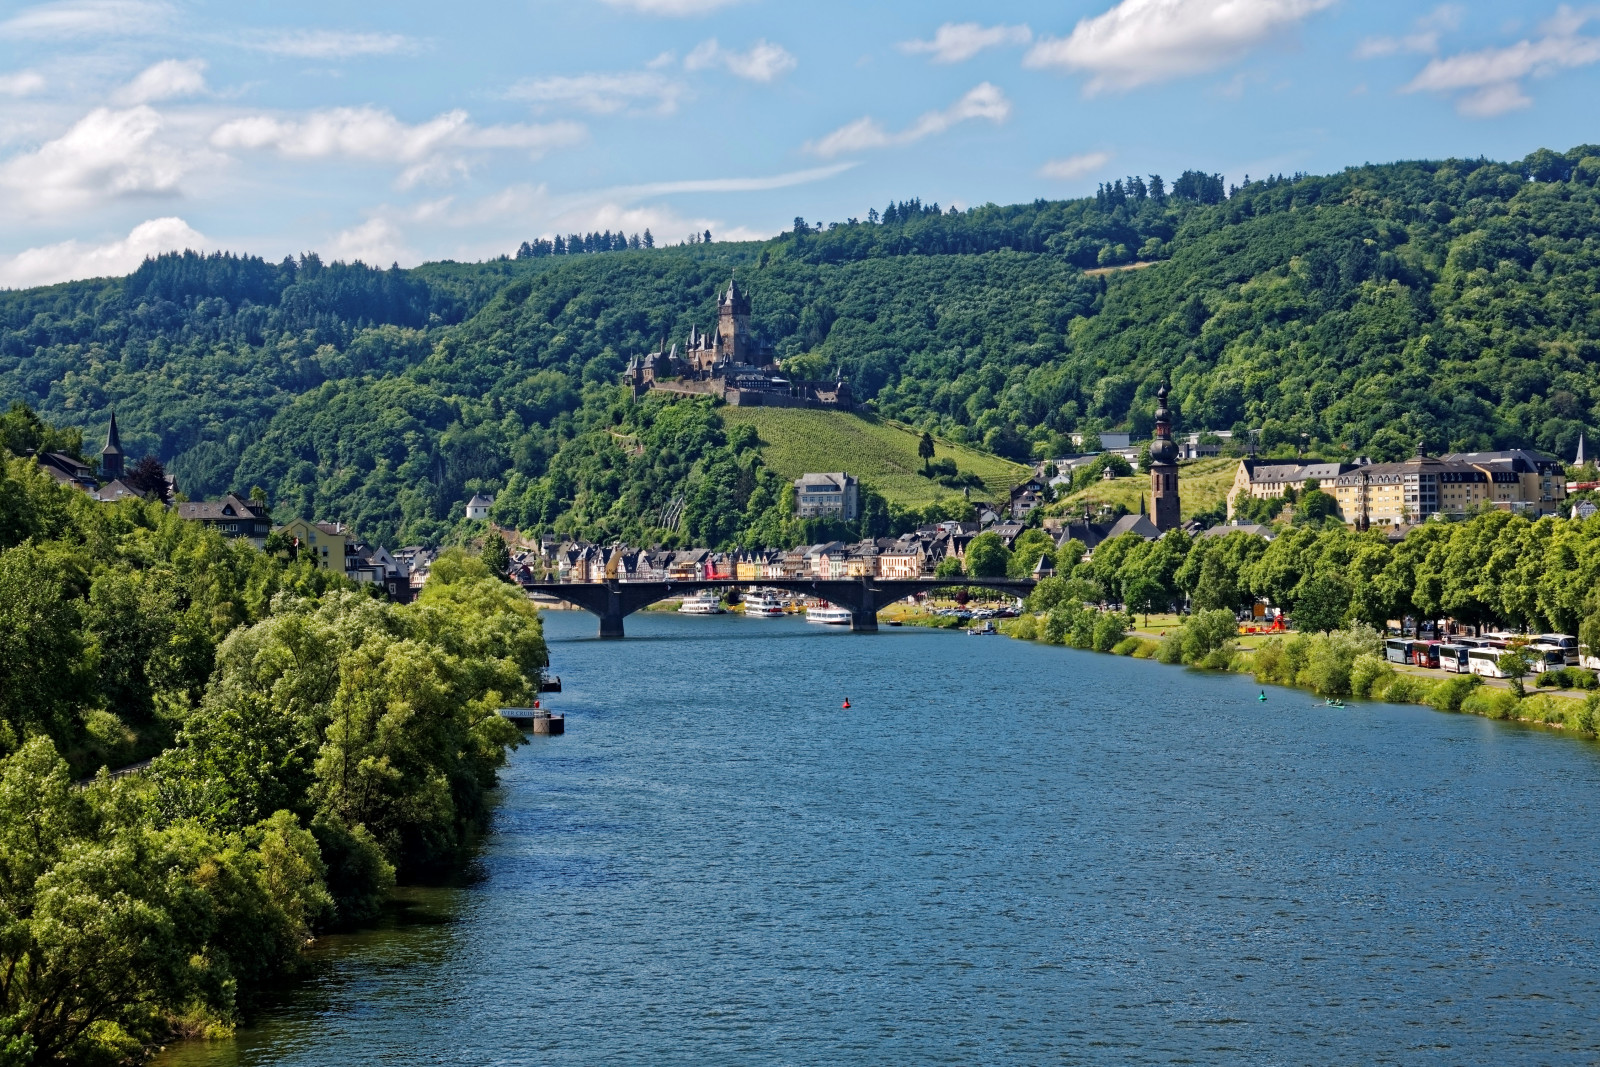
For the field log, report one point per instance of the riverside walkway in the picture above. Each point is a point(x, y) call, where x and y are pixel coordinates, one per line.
point(614, 600)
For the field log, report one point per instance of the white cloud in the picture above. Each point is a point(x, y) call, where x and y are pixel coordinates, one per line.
point(1075, 166)
point(761, 63)
point(984, 101)
point(371, 134)
point(1489, 80)
point(671, 8)
point(331, 44)
point(107, 154)
point(376, 242)
point(604, 94)
point(73, 259)
point(1143, 41)
point(165, 80)
point(22, 83)
point(88, 18)
point(1423, 39)
point(956, 41)
point(731, 185)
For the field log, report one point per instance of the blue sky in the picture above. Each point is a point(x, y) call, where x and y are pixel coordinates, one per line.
point(409, 131)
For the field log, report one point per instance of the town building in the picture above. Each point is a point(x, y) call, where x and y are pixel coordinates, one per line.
point(835, 495)
point(1266, 479)
point(478, 507)
point(326, 543)
point(1414, 490)
point(1109, 442)
point(1026, 497)
point(1164, 468)
point(232, 516)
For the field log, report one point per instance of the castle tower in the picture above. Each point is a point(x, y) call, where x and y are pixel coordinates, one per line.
point(1164, 468)
point(111, 455)
point(734, 342)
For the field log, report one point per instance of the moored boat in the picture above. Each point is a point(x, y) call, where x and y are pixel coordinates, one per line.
point(702, 604)
point(764, 604)
point(828, 615)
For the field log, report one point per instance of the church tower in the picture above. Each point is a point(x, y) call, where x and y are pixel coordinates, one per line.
point(111, 455)
point(734, 343)
point(1164, 468)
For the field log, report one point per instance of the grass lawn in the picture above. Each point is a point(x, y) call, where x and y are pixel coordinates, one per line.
point(1202, 485)
point(882, 454)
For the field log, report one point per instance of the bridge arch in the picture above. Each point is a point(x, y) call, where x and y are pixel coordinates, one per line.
point(612, 601)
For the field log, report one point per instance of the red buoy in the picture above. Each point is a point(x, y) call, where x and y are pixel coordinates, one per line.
point(846, 702)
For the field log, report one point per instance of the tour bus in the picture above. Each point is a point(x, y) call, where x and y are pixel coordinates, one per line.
point(1453, 658)
point(1543, 657)
point(1566, 642)
point(1484, 661)
point(1397, 650)
point(1425, 654)
point(1497, 639)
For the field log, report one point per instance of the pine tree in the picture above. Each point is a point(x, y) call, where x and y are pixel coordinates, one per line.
point(649, 242)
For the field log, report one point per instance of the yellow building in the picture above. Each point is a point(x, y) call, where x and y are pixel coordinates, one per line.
point(326, 543)
point(1396, 494)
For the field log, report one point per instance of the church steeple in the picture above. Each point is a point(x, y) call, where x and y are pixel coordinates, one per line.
point(1164, 467)
point(111, 456)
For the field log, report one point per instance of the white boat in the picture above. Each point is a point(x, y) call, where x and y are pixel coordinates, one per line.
point(702, 604)
point(762, 604)
point(828, 615)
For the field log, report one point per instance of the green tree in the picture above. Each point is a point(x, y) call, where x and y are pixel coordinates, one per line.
point(925, 449)
point(987, 556)
point(1322, 606)
point(496, 556)
point(1515, 664)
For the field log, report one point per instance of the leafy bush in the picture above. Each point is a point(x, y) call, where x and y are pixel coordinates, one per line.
point(1128, 646)
point(1206, 632)
point(1110, 628)
point(1450, 694)
point(1369, 675)
point(1023, 628)
point(1490, 702)
point(1170, 648)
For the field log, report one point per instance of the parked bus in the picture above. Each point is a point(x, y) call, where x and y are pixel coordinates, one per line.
point(1425, 654)
point(1565, 642)
point(1397, 650)
point(1453, 658)
point(1485, 662)
point(1543, 657)
point(1498, 640)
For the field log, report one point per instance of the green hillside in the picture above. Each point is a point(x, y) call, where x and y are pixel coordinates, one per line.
point(1454, 303)
point(882, 454)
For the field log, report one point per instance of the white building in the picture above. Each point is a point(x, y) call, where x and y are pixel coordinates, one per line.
point(833, 495)
point(478, 507)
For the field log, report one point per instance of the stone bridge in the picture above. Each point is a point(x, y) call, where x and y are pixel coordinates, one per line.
point(613, 601)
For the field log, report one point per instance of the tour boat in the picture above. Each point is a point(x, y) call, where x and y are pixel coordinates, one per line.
point(701, 604)
point(828, 615)
point(763, 605)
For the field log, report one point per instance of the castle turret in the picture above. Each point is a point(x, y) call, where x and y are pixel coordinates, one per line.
point(734, 342)
point(1164, 468)
point(111, 464)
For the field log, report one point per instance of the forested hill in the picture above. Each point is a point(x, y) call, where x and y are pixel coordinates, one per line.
point(1452, 303)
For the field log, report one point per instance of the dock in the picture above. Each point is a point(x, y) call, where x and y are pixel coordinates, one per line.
point(537, 720)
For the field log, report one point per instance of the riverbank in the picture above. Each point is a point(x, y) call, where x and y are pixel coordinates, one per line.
point(1345, 664)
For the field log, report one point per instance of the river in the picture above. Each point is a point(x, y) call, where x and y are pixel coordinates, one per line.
point(1002, 853)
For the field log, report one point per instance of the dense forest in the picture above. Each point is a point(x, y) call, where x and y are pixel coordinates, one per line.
point(311, 745)
point(1441, 304)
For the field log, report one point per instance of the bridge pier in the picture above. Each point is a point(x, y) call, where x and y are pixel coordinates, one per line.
point(864, 615)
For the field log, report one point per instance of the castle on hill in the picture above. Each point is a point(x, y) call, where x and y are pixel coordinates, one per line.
point(730, 363)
